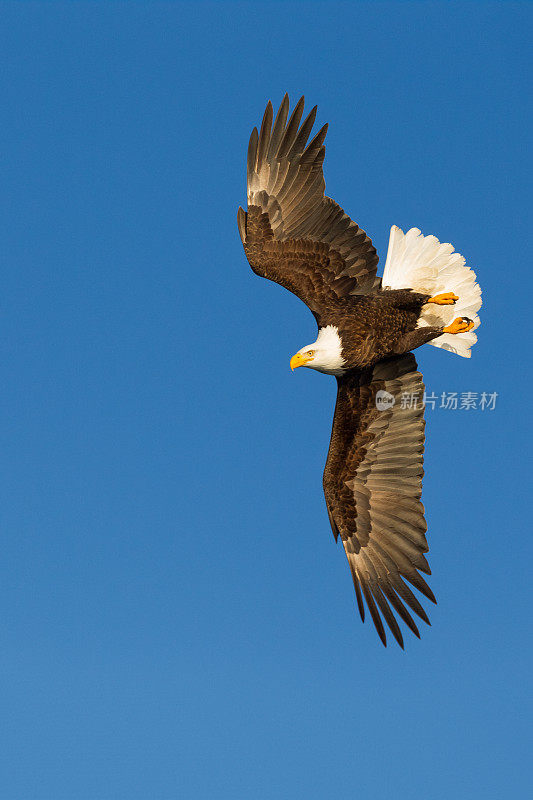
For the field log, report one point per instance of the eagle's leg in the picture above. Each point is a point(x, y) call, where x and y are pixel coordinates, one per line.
point(413, 339)
point(459, 325)
point(418, 337)
point(445, 299)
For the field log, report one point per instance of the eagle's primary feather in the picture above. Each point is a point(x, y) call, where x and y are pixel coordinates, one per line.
point(296, 236)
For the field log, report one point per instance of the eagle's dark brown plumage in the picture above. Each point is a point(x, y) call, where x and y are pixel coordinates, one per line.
point(294, 235)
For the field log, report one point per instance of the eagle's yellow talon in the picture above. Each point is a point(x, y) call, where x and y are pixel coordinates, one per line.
point(459, 325)
point(445, 299)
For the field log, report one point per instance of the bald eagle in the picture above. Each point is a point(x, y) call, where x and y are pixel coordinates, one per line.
point(296, 236)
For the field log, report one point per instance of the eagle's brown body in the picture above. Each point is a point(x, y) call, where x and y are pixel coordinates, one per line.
point(378, 325)
point(296, 236)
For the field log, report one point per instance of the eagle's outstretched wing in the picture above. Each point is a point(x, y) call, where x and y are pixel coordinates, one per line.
point(293, 234)
point(372, 484)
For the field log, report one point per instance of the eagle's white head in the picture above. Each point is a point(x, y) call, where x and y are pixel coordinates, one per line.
point(324, 355)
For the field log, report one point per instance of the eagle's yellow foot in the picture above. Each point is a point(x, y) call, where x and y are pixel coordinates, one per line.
point(459, 325)
point(445, 299)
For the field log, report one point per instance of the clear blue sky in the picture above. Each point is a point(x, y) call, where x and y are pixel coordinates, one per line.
point(176, 620)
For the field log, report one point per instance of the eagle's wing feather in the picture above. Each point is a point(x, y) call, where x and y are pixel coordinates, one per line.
point(373, 483)
point(293, 234)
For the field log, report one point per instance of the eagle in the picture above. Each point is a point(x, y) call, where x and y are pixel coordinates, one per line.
point(295, 235)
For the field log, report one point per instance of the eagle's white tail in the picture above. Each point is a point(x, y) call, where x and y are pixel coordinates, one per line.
point(425, 265)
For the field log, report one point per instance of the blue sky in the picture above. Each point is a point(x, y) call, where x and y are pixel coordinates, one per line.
point(176, 620)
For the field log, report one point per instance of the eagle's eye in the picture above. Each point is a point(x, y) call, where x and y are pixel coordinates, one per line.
point(310, 352)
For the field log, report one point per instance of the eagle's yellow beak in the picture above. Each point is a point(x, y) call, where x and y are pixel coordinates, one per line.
point(300, 360)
